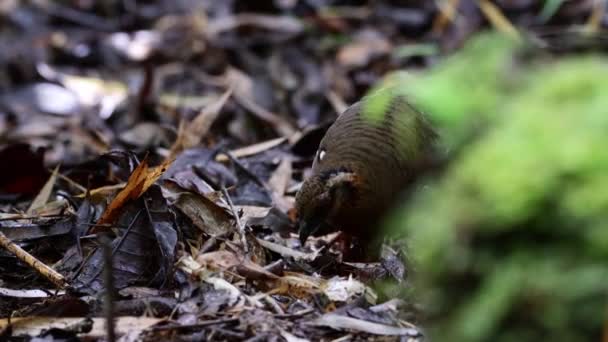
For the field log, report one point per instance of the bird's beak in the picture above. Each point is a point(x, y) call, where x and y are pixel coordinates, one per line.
point(307, 228)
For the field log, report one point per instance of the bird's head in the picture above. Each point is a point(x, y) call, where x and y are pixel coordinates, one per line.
point(322, 197)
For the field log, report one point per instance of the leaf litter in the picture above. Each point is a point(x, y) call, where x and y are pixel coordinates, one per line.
point(175, 135)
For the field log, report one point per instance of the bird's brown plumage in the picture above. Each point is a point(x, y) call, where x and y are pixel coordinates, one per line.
point(363, 162)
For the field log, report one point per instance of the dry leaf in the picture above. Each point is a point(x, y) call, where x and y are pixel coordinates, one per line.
point(340, 289)
point(206, 214)
point(278, 183)
point(44, 194)
point(33, 326)
point(339, 322)
point(140, 180)
point(200, 125)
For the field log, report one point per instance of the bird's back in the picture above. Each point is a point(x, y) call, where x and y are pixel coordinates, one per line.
point(383, 148)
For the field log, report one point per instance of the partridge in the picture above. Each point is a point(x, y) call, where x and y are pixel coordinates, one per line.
point(368, 156)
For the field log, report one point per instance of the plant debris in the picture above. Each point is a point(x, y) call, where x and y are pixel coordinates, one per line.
point(175, 134)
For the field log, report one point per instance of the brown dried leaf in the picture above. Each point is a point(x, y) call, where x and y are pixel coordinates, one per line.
point(278, 183)
point(44, 194)
point(207, 215)
point(201, 124)
point(279, 180)
point(297, 285)
point(140, 180)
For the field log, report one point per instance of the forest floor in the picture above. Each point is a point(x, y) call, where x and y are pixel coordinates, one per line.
point(170, 137)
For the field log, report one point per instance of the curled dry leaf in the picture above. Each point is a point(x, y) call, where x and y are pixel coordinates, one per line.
point(140, 180)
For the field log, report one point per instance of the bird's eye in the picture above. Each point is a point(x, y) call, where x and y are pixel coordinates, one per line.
point(321, 154)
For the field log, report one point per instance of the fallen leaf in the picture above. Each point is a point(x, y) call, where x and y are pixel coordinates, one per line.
point(44, 194)
point(200, 125)
point(140, 180)
point(340, 322)
point(206, 215)
point(340, 289)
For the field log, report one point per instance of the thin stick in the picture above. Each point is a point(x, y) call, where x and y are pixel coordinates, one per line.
point(47, 272)
point(19, 217)
point(237, 218)
point(498, 19)
point(196, 325)
point(72, 182)
point(595, 19)
point(447, 14)
point(108, 271)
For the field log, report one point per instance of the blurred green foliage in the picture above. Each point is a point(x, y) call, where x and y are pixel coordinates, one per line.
point(510, 242)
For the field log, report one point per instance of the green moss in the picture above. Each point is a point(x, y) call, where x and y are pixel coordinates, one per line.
point(511, 241)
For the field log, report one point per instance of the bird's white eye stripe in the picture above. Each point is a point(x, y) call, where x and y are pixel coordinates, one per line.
point(321, 154)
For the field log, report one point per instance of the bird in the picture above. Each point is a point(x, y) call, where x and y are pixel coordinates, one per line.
point(365, 160)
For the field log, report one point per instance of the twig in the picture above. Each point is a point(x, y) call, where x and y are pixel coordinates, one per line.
point(237, 219)
point(203, 324)
point(336, 102)
point(19, 217)
point(47, 272)
point(286, 251)
point(298, 314)
point(274, 305)
point(595, 19)
point(447, 13)
point(498, 19)
point(109, 284)
point(251, 149)
point(245, 170)
point(280, 125)
point(72, 182)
